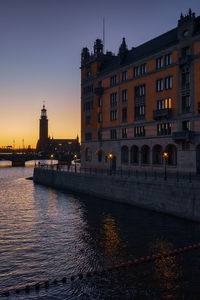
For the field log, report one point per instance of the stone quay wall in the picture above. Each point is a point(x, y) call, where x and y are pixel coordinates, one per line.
point(181, 199)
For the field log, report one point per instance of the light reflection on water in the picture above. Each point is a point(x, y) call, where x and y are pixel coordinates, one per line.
point(48, 234)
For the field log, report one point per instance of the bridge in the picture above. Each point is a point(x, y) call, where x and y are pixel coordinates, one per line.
point(19, 159)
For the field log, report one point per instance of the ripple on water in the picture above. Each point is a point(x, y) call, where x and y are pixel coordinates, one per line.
point(48, 234)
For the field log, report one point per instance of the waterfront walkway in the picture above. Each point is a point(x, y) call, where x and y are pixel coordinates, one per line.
point(158, 175)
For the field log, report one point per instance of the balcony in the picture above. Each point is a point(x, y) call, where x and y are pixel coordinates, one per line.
point(99, 91)
point(183, 136)
point(185, 60)
point(162, 113)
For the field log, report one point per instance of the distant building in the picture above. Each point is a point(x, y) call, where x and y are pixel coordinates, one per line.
point(48, 145)
point(143, 102)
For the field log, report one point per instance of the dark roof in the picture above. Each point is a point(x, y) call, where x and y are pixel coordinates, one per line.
point(63, 141)
point(161, 42)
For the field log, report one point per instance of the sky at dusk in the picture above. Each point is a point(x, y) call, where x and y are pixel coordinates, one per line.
point(40, 47)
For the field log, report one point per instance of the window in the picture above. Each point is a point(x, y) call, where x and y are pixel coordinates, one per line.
point(185, 78)
point(143, 69)
point(168, 82)
point(88, 105)
point(186, 125)
point(168, 59)
point(124, 133)
point(139, 112)
point(113, 99)
point(140, 90)
point(88, 154)
point(136, 71)
point(124, 114)
point(185, 51)
point(113, 80)
point(88, 89)
point(99, 117)
point(124, 95)
point(99, 101)
point(164, 103)
point(124, 75)
point(113, 115)
point(139, 131)
point(159, 85)
point(88, 119)
point(186, 103)
point(88, 136)
point(164, 129)
point(159, 62)
point(113, 134)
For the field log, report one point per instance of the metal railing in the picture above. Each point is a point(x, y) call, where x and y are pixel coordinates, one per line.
point(152, 175)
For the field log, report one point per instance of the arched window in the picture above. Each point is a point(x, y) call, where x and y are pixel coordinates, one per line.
point(134, 155)
point(124, 155)
point(157, 155)
point(88, 154)
point(145, 152)
point(172, 155)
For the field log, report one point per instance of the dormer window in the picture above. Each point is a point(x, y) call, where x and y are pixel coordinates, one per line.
point(186, 33)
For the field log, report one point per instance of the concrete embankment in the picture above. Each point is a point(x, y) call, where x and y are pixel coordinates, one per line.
point(180, 199)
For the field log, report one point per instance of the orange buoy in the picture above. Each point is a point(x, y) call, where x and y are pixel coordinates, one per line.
point(27, 288)
point(136, 261)
point(148, 258)
point(37, 286)
point(64, 279)
point(176, 251)
point(123, 265)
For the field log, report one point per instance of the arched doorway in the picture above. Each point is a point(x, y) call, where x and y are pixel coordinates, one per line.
point(124, 155)
point(134, 155)
point(172, 155)
point(157, 155)
point(145, 152)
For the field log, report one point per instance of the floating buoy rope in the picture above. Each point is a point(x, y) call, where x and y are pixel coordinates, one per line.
point(130, 263)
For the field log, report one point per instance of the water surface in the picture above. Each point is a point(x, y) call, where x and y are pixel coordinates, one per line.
point(47, 234)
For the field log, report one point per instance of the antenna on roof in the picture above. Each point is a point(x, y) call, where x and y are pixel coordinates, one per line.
point(103, 34)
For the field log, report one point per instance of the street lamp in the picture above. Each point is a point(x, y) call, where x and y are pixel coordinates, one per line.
point(165, 157)
point(51, 156)
point(110, 157)
point(75, 157)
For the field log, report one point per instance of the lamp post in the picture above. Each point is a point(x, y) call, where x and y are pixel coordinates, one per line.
point(75, 157)
point(110, 156)
point(51, 156)
point(165, 157)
